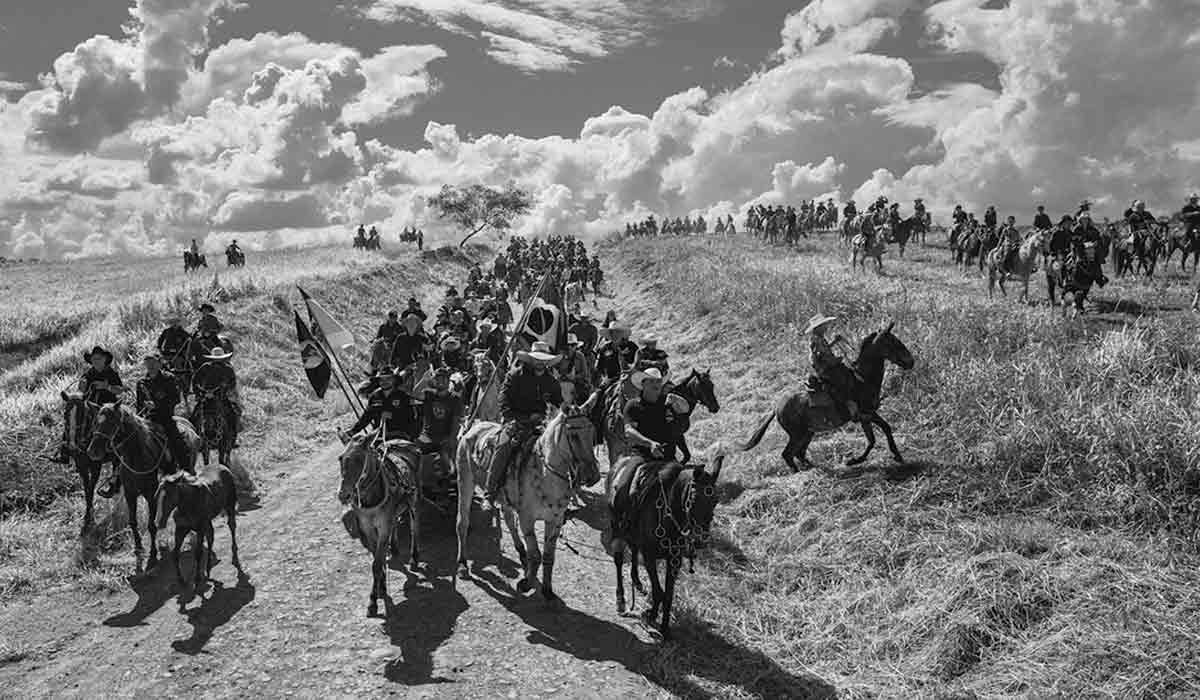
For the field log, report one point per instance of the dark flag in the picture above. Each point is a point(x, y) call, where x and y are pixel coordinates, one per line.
point(316, 362)
point(547, 319)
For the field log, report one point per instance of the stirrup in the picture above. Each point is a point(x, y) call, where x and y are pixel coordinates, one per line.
point(110, 488)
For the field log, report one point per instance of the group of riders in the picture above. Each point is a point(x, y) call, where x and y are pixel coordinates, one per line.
point(181, 364)
point(194, 259)
point(371, 240)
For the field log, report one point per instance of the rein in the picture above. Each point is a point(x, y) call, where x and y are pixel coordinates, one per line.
point(689, 536)
point(114, 448)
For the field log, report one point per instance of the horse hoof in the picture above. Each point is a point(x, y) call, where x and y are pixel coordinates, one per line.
point(620, 606)
point(524, 586)
point(552, 599)
point(372, 610)
point(464, 572)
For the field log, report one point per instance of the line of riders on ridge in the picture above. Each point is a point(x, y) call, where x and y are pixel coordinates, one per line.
point(181, 363)
point(371, 240)
point(193, 259)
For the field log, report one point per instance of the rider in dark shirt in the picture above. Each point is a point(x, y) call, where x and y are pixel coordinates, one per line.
point(388, 407)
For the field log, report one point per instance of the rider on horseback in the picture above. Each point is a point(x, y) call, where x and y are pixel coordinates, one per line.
point(830, 375)
point(217, 375)
point(100, 384)
point(1190, 215)
point(441, 408)
point(1140, 220)
point(651, 434)
point(389, 408)
point(157, 396)
point(1042, 221)
point(1010, 244)
point(650, 356)
point(489, 339)
point(573, 368)
point(173, 340)
point(526, 391)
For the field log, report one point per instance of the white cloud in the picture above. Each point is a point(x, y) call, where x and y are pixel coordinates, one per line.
point(529, 58)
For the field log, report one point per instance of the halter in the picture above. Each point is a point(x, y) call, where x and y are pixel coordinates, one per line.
point(387, 474)
point(114, 448)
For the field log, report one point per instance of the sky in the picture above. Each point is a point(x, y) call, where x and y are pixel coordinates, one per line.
point(130, 127)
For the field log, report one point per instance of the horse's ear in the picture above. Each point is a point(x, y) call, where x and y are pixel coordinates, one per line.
point(717, 463)
point(64, 396)
point(889, 328)
point(588, 405)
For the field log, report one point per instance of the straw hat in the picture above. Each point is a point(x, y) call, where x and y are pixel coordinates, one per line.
point(819, 321)
point(639, 378)
point(218, 353)
point(650, 339)
point(451, 342)
point(486, 325)
point(574, 341)
point(539, 353)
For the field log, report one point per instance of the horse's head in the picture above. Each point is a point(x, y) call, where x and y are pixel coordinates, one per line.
point(572, 436)
point(484, 367)
point(106, 429)
point(702, 385)
point(701, 503)
point(169, 494)
point(351, 463)
point(888, 346)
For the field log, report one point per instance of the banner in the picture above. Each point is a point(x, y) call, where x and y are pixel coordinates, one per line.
point(316, 363)
point(547, 321)
point(324, 326)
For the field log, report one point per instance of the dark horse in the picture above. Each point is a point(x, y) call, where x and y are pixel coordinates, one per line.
point(196, 500)
point(141, 453)
point(79, 415)
point(670, 521)
point(801, 419)
point(1076, 275)
point(697, 389)
point(193, 261)
point(608, 413)
point(210, 418)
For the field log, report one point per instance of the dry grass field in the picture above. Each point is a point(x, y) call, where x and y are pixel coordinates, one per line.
point(1040, 542)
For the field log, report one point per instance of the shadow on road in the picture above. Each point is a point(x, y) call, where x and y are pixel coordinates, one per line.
point(153, 590)
point(217, 609)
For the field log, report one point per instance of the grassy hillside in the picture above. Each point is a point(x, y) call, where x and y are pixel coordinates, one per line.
point(39, 508)
point(1040, 543)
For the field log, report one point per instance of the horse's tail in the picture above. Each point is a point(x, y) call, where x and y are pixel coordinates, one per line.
point(758, 434)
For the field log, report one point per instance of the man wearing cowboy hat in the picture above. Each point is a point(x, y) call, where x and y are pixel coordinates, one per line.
point(414, 307)
point(651, 433)
point(389, 407)
point(157, 396)
point(389, 329)
point(608, 357)
point(441, 409)
point(412, 343)
point(650, 356)
point(174, 339)
point(1140, 219)
point(451, 354)
point(217, 373)
point(585, 329)
point(489, 339)
point(524, 395)
point(100, 384)
point(574, 372)
point(830, 376)
point(1042, 220)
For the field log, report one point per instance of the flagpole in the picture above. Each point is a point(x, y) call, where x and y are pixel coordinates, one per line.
point(508, 348)
point(321, 346)
point(339, 372)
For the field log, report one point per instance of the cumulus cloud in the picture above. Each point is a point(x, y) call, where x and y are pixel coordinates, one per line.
point(545, 35)
point(243, 211)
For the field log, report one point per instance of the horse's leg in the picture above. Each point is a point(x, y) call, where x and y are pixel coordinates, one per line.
point(870, 433)
point(152, 527)
point(231, 520)
point(89, 474)
point(550, 542)
point(634, 578)
point(673, 565)
point(619, 561)
point(683, 449)
point(462, 526)
point(131, 505)
point(533, 553)
point(204, 565)
point(379, 568)
point(414, 527)
point(510, 520)
point(181, 534)
point(887, 433)
point(656, 591)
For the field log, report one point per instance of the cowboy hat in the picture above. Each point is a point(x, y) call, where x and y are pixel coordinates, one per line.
point(818, 321)
point(410, 313)
point(218, 353)
point(574, 341)
point(649, 339)
point(206, 308)
point(87, 356)
point(486, 324)
point(450, 342)
point(538, 353)
point(639, 378)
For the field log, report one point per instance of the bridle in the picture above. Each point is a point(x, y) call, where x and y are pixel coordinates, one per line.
point(114, 448)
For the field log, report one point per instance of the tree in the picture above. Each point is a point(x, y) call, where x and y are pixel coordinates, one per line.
point(479, 207)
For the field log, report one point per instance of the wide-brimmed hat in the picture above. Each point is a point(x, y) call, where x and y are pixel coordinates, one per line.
point(411, 313)
point(486, 324)
point(574, 341)
point(218, 353)
point(639, 378)
point(650, 339)
point(450, 342)
point(1194, 195)
point(538, 353)
point(87, 356)
point(206, 308)
point(818, 321)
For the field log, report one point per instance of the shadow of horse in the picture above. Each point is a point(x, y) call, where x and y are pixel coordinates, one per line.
point(699, 653)
point(153, 588)
point(425, 617)
point(217, 609)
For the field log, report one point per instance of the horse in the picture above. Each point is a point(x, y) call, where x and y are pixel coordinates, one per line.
point(573, 293)
point(193, 261)
point(80, 415)
point(141, 450)
point(1187, 243)
point(904, 231)
point(210, 417)
point(867, 246)
point(1146, 249)
point(802, 415)
point(196, 500)
point(380, 481)
point(1076, 275)
point(1022, 268)
point(235, 258)
point(539, 487)
point(485, 396)
point(670, 521)
point(609, 409)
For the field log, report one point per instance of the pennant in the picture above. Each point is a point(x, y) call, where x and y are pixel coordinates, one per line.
point(547, 321)
point(316, 363)
point(324, 327)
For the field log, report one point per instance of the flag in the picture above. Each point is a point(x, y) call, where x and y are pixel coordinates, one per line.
point(316, 363)
point(547, 319)
point(324, 327)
